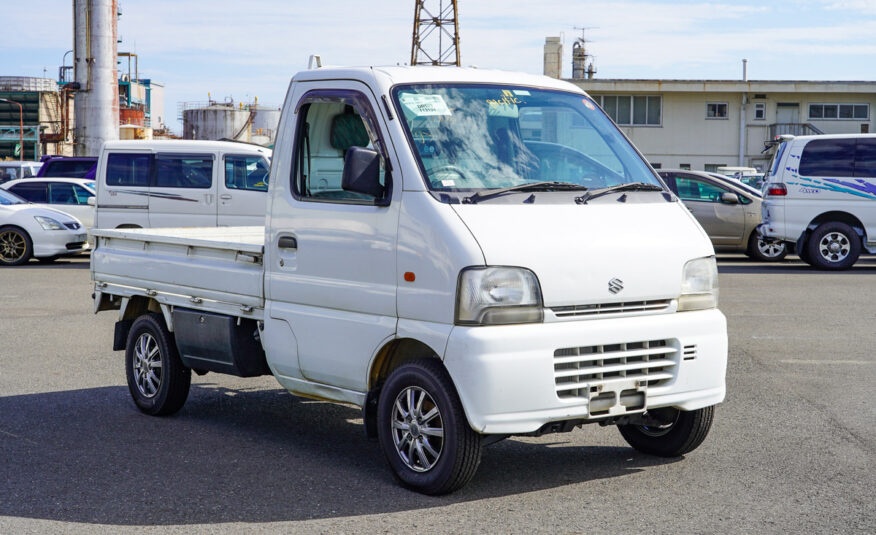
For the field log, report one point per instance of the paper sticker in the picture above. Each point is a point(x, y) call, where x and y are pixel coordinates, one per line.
point(424, 105)
point(448, 183)
point(521, 93)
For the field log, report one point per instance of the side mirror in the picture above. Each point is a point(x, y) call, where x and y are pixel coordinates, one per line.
point(362, 172)
point(729, 198)
point(90, 201)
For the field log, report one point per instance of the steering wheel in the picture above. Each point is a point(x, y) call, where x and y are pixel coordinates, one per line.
point(446, 169)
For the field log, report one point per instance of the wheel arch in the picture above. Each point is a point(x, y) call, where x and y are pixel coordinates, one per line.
point(392, 355)
point(840, 217)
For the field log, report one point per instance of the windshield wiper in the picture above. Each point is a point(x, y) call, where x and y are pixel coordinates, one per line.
point(630, 186)
point(545, 185)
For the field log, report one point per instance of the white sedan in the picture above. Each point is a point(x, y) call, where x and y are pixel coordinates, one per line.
point(28, 231)
point(69, 195)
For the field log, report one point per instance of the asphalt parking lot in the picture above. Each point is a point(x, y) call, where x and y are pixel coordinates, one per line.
point(793, 448)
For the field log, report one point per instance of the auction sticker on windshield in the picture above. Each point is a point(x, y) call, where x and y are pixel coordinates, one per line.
point(424, 105)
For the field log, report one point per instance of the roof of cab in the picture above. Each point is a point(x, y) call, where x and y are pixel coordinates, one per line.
point(393, 75)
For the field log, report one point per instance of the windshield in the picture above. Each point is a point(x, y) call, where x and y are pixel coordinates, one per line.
point(10, 198)
point(476, 137)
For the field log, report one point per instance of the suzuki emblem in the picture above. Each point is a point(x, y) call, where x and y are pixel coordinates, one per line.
point(615, 285)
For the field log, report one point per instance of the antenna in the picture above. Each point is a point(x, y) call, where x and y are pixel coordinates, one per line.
point(437, 25)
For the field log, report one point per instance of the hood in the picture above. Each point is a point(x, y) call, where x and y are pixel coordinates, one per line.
point(575, 250)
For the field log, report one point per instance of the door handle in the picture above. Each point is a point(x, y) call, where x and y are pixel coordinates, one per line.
point(287, 242)
point(225, 196)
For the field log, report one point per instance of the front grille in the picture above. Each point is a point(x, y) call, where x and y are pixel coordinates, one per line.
point(577, 369)
point(601, 309)
point(72, 226)
point(75, 245)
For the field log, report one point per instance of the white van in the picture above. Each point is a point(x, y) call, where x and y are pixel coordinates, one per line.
point(174, 183)
point(821, 195)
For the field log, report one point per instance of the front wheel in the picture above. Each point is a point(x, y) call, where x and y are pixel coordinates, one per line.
point(766, 249)
point(157, 379)
point(423, 431)
point(16, 247)
point(679, 432)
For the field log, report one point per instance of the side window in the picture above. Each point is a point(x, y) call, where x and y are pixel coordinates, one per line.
point(62, 193)
point(82, 194)
point(128, 169)
point(31, 192)
point(327, 128)
point(828, 157)
point(690, 189)
point(183, 171)
point(865, 158)
point(246, 172)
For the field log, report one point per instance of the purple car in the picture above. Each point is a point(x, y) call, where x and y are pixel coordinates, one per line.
point(68, 166)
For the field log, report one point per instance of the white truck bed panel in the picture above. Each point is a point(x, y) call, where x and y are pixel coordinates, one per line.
point(216, 268)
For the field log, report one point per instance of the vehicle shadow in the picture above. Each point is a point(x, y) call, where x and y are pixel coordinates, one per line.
point(238, 456)
point(789, 266)
point(76, 262)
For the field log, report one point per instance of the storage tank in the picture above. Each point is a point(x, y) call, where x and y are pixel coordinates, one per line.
point(265, 123)
point(216, 121)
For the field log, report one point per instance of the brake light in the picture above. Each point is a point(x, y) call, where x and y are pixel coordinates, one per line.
point(778, 190)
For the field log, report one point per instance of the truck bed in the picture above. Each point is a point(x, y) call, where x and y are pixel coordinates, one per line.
point(219, 269)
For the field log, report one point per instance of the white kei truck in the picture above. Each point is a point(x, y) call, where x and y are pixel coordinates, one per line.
point(465, 254)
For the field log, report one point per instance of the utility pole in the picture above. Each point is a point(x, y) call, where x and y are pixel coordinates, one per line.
point(435, 25)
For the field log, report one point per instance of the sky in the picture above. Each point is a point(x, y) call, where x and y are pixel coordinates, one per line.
point(245, 49)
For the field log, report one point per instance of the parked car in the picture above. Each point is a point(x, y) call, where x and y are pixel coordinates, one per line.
point(165, 183)
point(821, 196)
point(747, 175)
point(11, 170)
point(70, 195)
point(68, 166)
point(728, 210)
point(28, 231)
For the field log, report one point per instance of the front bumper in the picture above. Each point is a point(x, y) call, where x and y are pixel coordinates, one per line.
point(507, 376)
point(59, 243)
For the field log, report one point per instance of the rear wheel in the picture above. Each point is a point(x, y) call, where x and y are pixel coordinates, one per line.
point(423, 431)
point(157, 379)
point(833, 246)
point(766, 249)
point(16, 247)
point(678, 433)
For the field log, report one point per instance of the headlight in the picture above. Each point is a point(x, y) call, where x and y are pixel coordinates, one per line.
point(699, 285)
point(48, 223)
point(498, 296)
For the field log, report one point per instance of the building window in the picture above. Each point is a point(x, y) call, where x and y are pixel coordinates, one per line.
point(656, 165)
point(636, 110)
point(853, 112)
point(716, 110)
point(759, 111)
point(713, 167)
point(685, 166)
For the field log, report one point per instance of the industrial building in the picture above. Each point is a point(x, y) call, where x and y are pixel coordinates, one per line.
point(706, 124)
point(41, 123)
point(211, 120)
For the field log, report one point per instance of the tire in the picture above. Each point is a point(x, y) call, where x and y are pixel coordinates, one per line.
point(833, 246)
point(424, 461)
point(683, 433)
point(160, 392)
point(766, 250)
point(16, 247)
